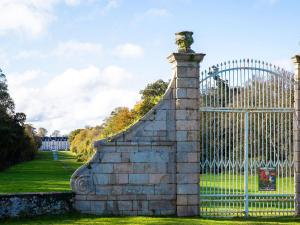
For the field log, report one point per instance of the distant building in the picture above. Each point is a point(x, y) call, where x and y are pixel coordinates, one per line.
point(55, 143)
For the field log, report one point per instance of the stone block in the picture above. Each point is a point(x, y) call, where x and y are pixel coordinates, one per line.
point(138, 167)
point(187, 104)
point(187, 146)
point(159, 178)
point(138, 178)
point(96, 197)
point(159, 125)
point(161, 115)
point(162, 205)
point(83, 205)
point(123, 168)
point(187, 125)
point(171, 167)
point(149, 156)
point(188, 189)
point(80, 197)
point(193, 93)
point(129, 213)
point(188, 168)
point(193, 199)
point(101, 178)
point(106, 148)
point(167, 212)
point(193, 157)
point(125, 205)
point(182, 157)
point(181, 92)
point(122, 178)
point(187, 82)
point(188, 178)
point(165, 189)
point(181, 135)
point(161, 133)
point(182, 210)
point(187, 114)
point(155, 167)
point(111, 157)
point(117, 190)
point(103, 190)
point(130, 148)
point(140, 205)
point(98, 207)
point(111, 207)
point(125, 156)
point(193, 135)
point(161, 197)
point(182, 199)
point(102, 168)
point(138, 190)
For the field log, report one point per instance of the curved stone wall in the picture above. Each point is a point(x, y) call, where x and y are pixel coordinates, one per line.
point(151, 168)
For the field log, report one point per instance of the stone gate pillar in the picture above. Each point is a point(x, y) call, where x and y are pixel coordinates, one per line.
point(296, 136)
point(185, 66)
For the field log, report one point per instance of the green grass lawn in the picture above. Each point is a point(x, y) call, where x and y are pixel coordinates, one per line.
point(76, 218)
point(42, 174)
point(232, 186)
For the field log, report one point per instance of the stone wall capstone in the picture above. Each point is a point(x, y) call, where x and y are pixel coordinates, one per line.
point(153, 167)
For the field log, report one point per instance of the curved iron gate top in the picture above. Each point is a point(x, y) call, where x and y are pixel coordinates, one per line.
point(246, 112)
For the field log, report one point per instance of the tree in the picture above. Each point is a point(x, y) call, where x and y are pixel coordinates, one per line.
point(81, 140)
point(154, 89)
point(151, 94)
point(18, 141)
point(6, 101)
point(42, 132)
point(55, 133)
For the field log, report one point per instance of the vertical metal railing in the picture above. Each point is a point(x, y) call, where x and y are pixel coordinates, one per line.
point(246, 127)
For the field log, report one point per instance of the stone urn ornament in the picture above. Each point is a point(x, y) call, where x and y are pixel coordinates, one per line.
point(184, 40)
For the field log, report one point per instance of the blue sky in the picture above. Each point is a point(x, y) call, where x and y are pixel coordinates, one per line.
point(69, 63)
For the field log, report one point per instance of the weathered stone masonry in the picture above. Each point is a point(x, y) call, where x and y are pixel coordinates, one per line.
point(153, 167)
point(35, 204)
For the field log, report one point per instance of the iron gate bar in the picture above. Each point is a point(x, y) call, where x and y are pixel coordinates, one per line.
point(246, 164)
point(276, 71)
point(246, 116)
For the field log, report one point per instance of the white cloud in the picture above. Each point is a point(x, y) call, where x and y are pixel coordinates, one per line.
point(28, 54)
point(153, 13)
point(72, 2)
point(72, 99)
point(129, 50)
point(67, 49)
point(31, 17)
point(4, 59)
point(72, 47)
point(156, 13)
point(111, 4)
point(284, 64)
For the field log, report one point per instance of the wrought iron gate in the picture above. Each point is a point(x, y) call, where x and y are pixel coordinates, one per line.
point(246, 114)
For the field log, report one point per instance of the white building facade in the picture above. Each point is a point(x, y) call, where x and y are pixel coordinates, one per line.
point(55, 144)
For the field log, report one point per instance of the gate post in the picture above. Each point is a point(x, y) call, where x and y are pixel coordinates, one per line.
point(185, 67)
point(296, 134)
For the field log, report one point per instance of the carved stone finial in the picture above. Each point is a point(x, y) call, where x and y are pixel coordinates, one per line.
point(184, 40)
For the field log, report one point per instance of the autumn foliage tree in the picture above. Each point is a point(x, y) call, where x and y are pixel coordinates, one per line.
point(120, 119)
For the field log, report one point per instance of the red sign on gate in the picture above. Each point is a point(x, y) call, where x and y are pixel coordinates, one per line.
point(267, 179)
